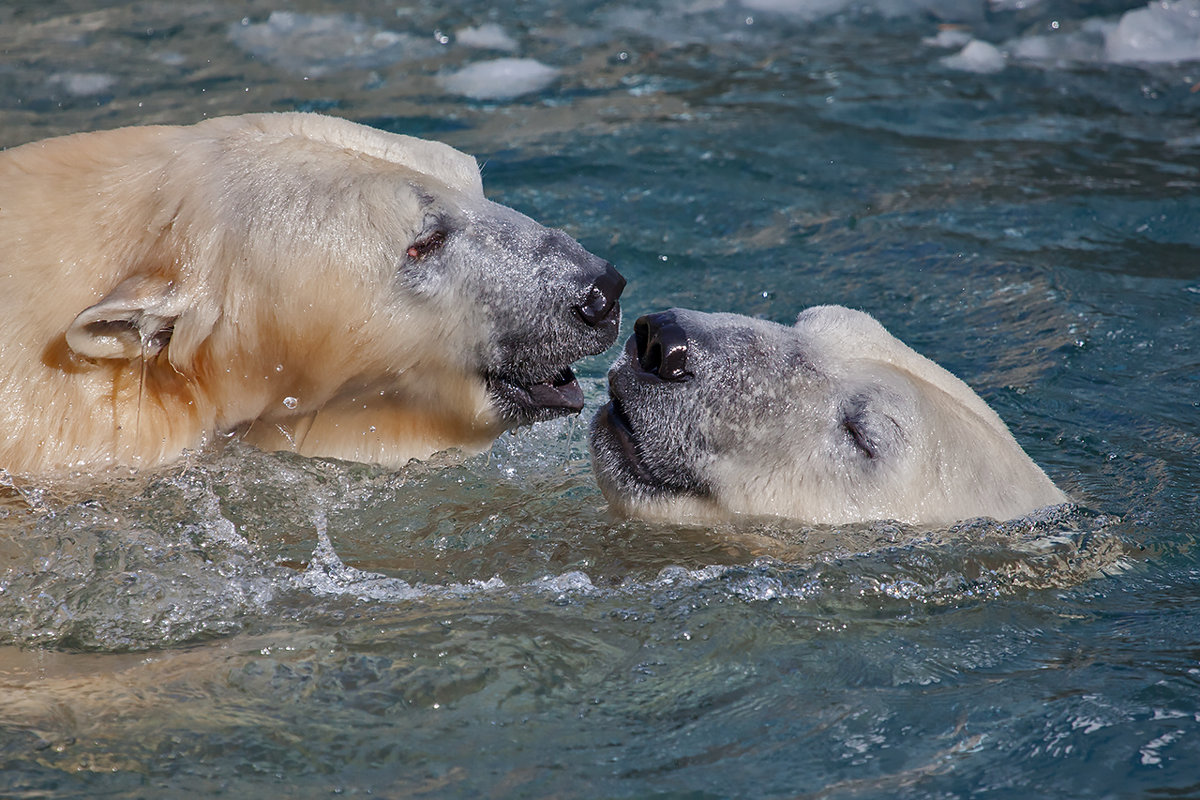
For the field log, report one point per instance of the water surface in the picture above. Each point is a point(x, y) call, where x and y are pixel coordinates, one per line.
point(249, 624)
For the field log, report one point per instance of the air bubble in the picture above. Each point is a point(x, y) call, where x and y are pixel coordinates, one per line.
point(290, 402)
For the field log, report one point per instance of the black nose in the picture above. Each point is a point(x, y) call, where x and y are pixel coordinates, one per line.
point(602, 297)
point(662, 346)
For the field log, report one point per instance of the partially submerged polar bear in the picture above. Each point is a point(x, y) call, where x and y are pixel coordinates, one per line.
point(833, 420)
point(302, 281)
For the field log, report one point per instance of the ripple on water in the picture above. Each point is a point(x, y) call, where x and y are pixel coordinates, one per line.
point(231, 541)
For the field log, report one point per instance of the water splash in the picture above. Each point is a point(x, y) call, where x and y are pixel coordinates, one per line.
point(327, 575)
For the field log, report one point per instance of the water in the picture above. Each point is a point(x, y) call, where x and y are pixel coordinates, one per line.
point(249, 624)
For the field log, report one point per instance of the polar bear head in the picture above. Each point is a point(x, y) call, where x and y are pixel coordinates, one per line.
point(303, 281)
point(830, 421)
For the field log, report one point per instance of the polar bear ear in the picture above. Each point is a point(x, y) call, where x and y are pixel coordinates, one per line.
point(137, 319)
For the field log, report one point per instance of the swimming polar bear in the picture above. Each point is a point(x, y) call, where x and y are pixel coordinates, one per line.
point(832, 421)
point(301, 281)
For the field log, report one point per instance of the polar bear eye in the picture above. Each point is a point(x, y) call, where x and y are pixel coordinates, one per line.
point(854, 428)
point(862, 427)
point(427, 244)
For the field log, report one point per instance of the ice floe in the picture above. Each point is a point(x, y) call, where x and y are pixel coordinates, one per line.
point(976, 56)
point(488, 36)
point(1162, 32)
point(318, 44)
point(499, 79)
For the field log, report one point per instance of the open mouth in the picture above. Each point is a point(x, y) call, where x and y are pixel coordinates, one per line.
point(643, 458)
point(522, 403)
point(611, 417)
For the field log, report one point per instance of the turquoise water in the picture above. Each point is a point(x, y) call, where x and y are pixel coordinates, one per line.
point(250, 624)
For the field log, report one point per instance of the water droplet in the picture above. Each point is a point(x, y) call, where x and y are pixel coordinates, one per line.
point(290, 402)
point(279, 367)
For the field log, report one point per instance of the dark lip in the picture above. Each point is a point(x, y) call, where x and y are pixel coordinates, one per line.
point(612, 418)
point(616, 436)
point(521, 403)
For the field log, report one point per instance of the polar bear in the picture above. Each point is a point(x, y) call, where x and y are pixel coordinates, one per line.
point(832, 421)
point(301, 281)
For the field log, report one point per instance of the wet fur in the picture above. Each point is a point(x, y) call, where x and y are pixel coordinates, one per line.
point(161, 286)
point(833, 420)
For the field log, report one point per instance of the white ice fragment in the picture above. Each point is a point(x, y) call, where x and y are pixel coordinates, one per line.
point(977, 56)
point(499, 79)
point(84, 84)
point(804, 9)
point(488, 36)
point(949, 38)
point(1036, 48)
point(997, 6)
point(1162, 32)
point(1083, 45)
point(317, 44)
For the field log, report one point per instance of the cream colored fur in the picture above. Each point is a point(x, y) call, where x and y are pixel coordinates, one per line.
point(263, 246)
point(764, 424)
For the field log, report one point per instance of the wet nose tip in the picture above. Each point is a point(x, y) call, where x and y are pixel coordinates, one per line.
point(602, 296)
point(662, 346)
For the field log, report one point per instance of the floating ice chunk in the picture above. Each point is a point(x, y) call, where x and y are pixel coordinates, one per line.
point(1160, 32)
point(805, 9)
point(84, 84)
point(317, 44)
point(499, 79)
point(1085, 45)
point(1011, 5)
point(977, 56)
point(488, 36)
point(949, 38)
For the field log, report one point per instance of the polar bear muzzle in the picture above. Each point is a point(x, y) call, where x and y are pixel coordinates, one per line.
point(644, 445)
point(530, 378)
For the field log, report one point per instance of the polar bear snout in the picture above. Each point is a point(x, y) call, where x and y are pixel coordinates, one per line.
point(660, 346)
point(600, 305)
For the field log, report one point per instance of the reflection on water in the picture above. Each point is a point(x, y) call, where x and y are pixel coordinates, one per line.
point(260, 624)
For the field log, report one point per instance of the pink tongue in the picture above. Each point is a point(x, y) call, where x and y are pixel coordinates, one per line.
point(568, 395)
